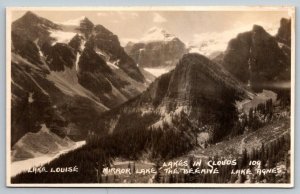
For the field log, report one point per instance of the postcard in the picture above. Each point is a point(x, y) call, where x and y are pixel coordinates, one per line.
point(150, 96)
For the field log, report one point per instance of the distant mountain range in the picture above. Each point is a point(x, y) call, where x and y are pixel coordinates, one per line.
point(157, 51)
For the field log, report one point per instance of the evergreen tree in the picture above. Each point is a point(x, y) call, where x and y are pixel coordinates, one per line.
point(157, 177)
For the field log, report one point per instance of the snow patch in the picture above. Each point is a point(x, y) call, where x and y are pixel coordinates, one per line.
point(157, 34)
point(113, 65)
point(61, 36)
point(77, 60)
point(101, 53)
point(280, 45)
point(30, 98)
point(157, 71)
point(82, 45)
point(72, 22)
point(41, 54)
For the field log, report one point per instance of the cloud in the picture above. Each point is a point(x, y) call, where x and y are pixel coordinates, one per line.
point(125, 41)
point(115, 21)
point(157, 18)
point(72, 22)
point(128, 15)
point(102, 14)
point(209, 42)
point(133, 15)
point(120, 15)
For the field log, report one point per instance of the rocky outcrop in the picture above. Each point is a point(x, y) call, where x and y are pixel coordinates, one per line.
point(108, 45)
point(256, 59)
point(60, 56)
point(284, 32)
point(34, 28)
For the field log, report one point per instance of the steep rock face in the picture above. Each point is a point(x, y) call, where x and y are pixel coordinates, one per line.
point(218, 58)
point(86, 27)
point(284, 32)
point(199, 85)
point(63, 80)
point(34, 28)
point(95, 75)
point(102, 64)
point(255, 58)
point(197, 91)
point(25, 48)
point(196, 76)
point(77, 43)
point(156, 49)
point(29, 34)
point(107, 44)
point(60, 56)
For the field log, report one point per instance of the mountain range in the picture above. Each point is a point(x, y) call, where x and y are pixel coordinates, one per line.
point(65, 77)
point(75, 82)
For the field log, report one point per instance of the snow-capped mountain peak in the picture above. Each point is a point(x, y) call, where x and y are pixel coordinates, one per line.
point(157, 34)
point(73, 22)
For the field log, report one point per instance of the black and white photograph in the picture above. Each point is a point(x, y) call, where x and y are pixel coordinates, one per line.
point(150, 96)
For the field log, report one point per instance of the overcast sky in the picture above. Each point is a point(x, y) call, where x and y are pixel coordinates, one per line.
point(187, 25)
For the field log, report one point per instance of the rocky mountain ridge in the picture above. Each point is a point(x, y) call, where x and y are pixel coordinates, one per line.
point(197, 90)
point(64, 79)
point(256, 58)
